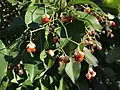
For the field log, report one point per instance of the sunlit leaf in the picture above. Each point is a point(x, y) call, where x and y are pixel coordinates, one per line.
point(90, 59)
point(3, 63)
point(73, 69)
point(61, 85)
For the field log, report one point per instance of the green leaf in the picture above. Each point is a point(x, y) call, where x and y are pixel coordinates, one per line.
point(14, 48)
point(35, 1)
point(81, 46)
point(4, 83)
point(27, 83)
point(89, 20)
point(58, 30)
point(43, 55)
point(14, 80)
point(78, 1)
point(61, 85)
point(34, 13)
point(90, 59)
point(3, 63)
point(62, 3)
point(32, 70)
point(111, 3)
point(50, 63)
point(73, 70)
point(37, 88)
point(63, 42)
point(13, 2)
point(43, 87)
point(61, 68)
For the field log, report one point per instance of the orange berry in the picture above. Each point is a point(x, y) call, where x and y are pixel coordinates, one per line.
point(79, 56)
point(51, 53)
point(45, 18)
point(31, 47)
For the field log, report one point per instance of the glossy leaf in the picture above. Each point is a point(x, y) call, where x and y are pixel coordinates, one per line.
point(14, 48)
point(43, 55)
point(73, 69)
point(13, 2)
point(61, 85)
point(63, 42)
point(32, 70)
point(43, 87)
point(90, 20)
point(90, 58)
point(3, 63)
point(33, 14)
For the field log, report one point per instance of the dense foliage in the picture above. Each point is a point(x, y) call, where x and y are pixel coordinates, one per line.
point(59, 45)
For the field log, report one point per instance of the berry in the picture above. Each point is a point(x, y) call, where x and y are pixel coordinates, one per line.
point(60, 63)
point(99, 47)
point(87, 10)
point(111, 35)
point(110, 31)
point(99, 19)
point(21, 72)
point(64, 19)
point(89, 33)
point(45, 18)
point(9, 67)
point(88, 76)
point(79, 56)
point(91, 71)
point(31, 47)
point(112, 23)
point(71, 19)
point(51, 53)
point(66, 59)
point(56, 39)
point(18, 66)
point(61, 58)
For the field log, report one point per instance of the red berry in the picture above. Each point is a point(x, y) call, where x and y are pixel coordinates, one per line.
point(45, 18)
point(92, 72)
point(112, 23)
point(88, 76)
point(79, 56)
